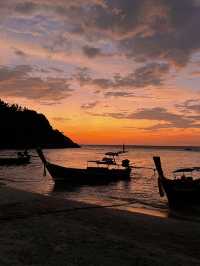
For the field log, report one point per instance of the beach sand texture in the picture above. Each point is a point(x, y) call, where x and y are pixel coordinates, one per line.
point(42, 230)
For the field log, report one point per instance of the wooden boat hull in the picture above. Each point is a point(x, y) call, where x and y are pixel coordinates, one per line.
point(182, 193)
point(90, 175)
point(14, 161)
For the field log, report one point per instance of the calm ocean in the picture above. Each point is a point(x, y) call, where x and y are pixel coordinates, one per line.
point(139, 194)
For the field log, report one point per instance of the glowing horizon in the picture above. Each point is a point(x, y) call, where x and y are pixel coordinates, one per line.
point(105, 72)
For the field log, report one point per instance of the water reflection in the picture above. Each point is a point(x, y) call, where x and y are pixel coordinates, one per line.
point(140, 192)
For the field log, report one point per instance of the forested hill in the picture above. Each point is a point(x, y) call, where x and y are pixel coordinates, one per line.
point(24, 128)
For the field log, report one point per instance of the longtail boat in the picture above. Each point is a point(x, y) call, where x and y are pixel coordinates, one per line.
point(182, 190)
point(21, 159)
point(104, 171)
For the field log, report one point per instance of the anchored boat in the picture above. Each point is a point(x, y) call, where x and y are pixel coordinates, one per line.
point(104, 171)
point(183, 190)
point(20, 159)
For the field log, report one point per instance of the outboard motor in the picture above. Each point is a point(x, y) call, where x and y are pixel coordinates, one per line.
point(126, 163)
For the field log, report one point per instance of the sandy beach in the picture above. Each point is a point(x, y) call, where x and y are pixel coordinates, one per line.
point(41, 230)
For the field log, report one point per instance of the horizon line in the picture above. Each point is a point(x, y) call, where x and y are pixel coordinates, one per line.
point(140, 145)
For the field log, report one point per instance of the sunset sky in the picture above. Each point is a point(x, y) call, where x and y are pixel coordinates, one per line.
point(105, 71)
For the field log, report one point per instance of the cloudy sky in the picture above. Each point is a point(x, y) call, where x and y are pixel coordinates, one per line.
point(105, 71)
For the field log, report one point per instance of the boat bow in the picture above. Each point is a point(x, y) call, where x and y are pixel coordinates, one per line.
point(161, 177)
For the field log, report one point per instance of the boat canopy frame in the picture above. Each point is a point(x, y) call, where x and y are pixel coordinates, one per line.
point(108, 161)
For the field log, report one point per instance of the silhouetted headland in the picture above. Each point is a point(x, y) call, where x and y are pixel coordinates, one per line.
point(23, 128)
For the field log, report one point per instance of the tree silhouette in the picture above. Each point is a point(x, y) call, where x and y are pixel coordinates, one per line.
point(24, 128)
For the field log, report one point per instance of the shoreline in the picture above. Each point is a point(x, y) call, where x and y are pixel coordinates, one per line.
point(44, 230)
point(17, 199)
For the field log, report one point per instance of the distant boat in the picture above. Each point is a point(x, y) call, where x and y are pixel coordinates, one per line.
point(182, 190)
point(197, 149)
point(20, 159)
point(104, 171)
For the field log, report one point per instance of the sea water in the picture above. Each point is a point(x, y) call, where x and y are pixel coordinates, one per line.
point(139, 194)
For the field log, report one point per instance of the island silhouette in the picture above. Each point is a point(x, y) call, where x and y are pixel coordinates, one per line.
point(22, 128)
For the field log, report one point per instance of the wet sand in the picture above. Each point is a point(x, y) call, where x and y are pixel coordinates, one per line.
point(39, 230)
